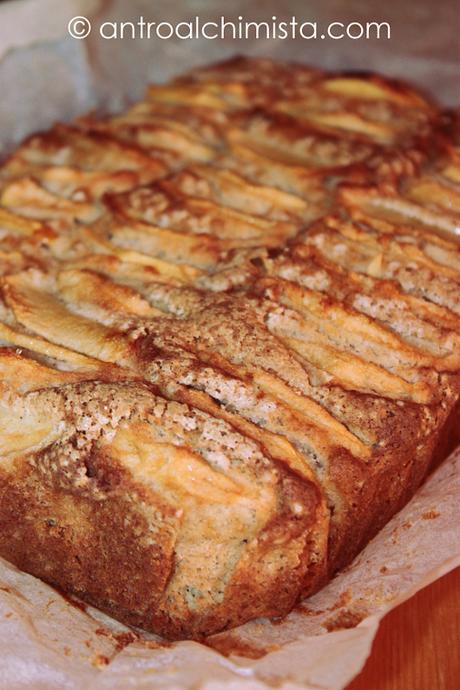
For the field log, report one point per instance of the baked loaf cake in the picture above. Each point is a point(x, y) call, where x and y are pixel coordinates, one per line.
point(230, 324)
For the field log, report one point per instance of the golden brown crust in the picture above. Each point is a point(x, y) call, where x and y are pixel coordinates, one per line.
point(230, 332)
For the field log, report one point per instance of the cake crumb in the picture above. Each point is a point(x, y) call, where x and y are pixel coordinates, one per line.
point(344, 619)
point(101, 660)
point(430, 515)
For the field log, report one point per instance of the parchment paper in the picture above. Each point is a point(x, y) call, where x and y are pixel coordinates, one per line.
point(47, 642)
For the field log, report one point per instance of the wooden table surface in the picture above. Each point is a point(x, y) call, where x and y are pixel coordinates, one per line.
point(417, 646)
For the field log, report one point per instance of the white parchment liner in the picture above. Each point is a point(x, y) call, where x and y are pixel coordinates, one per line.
point(46, 643)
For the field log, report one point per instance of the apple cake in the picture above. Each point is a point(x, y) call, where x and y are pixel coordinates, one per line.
point(230, 338)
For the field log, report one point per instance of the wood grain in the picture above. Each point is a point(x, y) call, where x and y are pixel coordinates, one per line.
point(418, 644)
